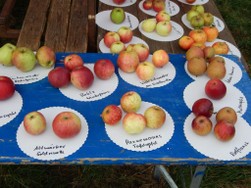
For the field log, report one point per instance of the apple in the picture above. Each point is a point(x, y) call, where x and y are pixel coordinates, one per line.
point(59, 77)
point(134, 123)
point(215, 89)
point(7, 88)
point(190, 1)
point(142, 51)
point(72, 61)
point(212, 32)
point(160, 58)
point(197, 22)
point(209, 53)
point(190, 14)
point(82, 77)
point(118, 2)
point(216, 69)
point(163, 16)
point(197, 66)
point(129, 47)
point(164, 28)
point(6, 54)
point(149, 25)
point(198, 35)
point(111, 37)
point(145, 70)
point(224, 131)
point(200, 45)
point(202, 125)
point(228, 114)
point(203, 106)
point(117, 47)
point(185, 42)
point(128, 61)
point(24, 59)
point(34, 123)
point(158, 5)
point(147, 4)
point(155, 117)
point(218, 59)
point(111, 114)
point(66, 124)
point(199, 8)
point(130, 101)
point(117, 15)
point(104, 69)
point(46, 57)
point(125, 34)
point(208, 18)
point(220, 47)
point(194, 51)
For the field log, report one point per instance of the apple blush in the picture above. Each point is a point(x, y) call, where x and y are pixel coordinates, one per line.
point(59, 77)
point(111, 114)
point(215, 89)
point(203, 106)
point(224, 131)
point(104, 69)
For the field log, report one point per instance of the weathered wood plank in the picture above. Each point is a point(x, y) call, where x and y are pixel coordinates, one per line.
point(92, 30)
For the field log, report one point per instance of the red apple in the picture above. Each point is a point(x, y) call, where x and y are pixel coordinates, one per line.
point(111, 37)
point(203, 106)
point(125, 34)
point(202, 125)
point(104, 69)
point(111, 114)
point(163, 16)
point(185, 42)
point(190, 1)
point(224, 131)
point(66, 124)
point(72, 61)
point(34, 123)
point(82, 77)
point(7, 88)
point(160, 58)
point(134, 123)
point(158, 5)
point(119, 2)
point(147, 4)
point(215, 89)
point(59, 77)
point(128, 61)
point(142, 50)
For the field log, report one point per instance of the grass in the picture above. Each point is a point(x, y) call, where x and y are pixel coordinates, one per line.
point(235, 13)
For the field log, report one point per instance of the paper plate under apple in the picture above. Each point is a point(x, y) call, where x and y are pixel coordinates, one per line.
point(98, 90)
point(48, 146)
point(10, 108)
point(197, 2)
point(176, 33)
point(148, 140)
point(19, 77)
point(219, 24)
point(104, 49)
point(234, 97)
point(163, 76)
point(233, 72)
point(171, 7)
point(238, 147)
point(103, 20)
point(111, 3)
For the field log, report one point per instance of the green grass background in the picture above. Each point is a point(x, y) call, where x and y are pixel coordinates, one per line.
point(236, 13)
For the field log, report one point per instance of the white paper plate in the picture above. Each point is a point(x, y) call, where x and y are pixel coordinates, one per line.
point(197, 2)
point(125, 4)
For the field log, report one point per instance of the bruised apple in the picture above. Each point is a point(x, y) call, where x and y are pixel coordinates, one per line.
point(82, 77)
point(155, 117)
point(7, 88)
point(34, 123)
point(59, 77)
point(203, 106)
point(104, 69)
point(111, 114)
point(228, 114)
point(130, 101)
point(72, 61)
point(134, 123)
point(224, 131)
point(202, 125)
point(215, 89)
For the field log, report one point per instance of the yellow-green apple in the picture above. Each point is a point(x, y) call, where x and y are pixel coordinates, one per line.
point(142, 51)
point(24, 59)
point(158, 5)
point(128, 61)
point(220, 47)
point(194, 51)
point(209, 53)
point(145, 70)
point(185, 42)
point(197, 22)
point(199, 8)
point(111, 114)
point(190, 14)
point(34, 123)
point(117, 15)
point(117, 47)
point(224, 131)
point(216, 69)
point(111, 37)
point(134, 123)
point(215, 89)
point(147, 4)
point(212, 32)
point(46, 57)
point(218, 59)
point(125, 34)
point(228, 114)
point(164, 28)
point(6, 54)
point(104, 69)
point(7, 88)
point(59, 77)
point(208, 18)
point(163, 16)
point(190, 1)
point(130, 101)
point(160, 58)
point(197, 66)
point(149, 25)
point(82, 77)
point(198, 35)
point(129, 47)
point(118, 2)
point(155, 117)
point(203, 106)
point(202, 125)
point(72, 61)
point(66, 124)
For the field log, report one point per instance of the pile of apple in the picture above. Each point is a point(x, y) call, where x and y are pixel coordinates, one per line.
point(160, 24)
point(133, 122)
point(24, 58)
point(65, 125)
point(156, 5)
point(80, 76)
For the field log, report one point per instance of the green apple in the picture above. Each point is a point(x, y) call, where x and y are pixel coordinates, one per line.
point(198, 8)
point(149, 25)
point(208, 19)
point(197, 22)
point(117, 15)
point(24, 59)
point(6, 54)
point(190, 14)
